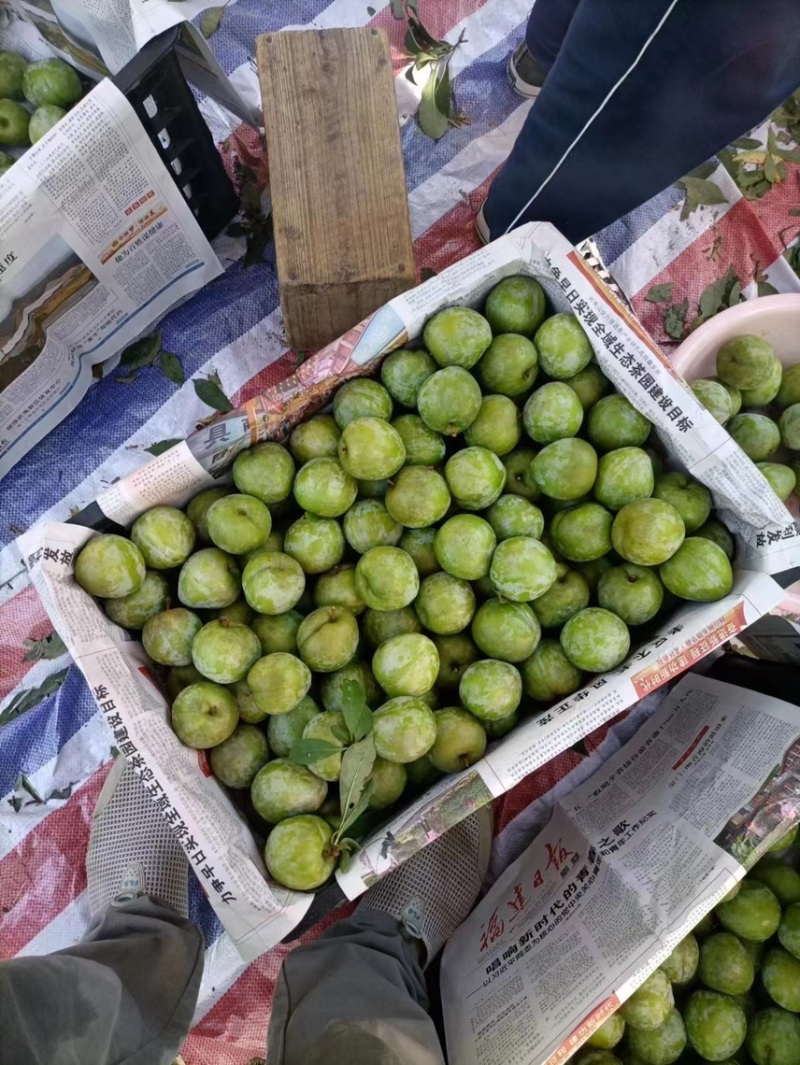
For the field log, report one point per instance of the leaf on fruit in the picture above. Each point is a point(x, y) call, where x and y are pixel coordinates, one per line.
point(142, 352)
point(357, 763)
point(50, 646)
point(357, 715)
point(209, 23)
point(209, 392)
point(660, 293)
point(675, 320)
point(305, 752)
point(160, 446)
point(700, 192)
point(171, 367)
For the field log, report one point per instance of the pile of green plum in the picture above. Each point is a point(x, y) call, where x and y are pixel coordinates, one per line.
point(729, 992)
point(33, 97)
point(455, 546)
point(757, 399)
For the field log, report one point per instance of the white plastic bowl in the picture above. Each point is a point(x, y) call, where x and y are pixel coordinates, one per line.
point(777, 320)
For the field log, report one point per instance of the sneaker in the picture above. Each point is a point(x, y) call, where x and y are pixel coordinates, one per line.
point(525, 75)
point(437, 889)
point(132, 851)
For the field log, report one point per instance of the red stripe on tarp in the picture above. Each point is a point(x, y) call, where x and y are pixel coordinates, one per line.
point(533, 787)
point(46, 872)
point(21, 617)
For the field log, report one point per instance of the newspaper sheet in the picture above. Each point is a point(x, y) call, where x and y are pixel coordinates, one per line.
point(627, 865)
point(98, 243)
point(690, 437)
point(101, 36)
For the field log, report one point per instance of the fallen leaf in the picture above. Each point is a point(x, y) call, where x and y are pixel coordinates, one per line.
point(209, 22)
point(171, 367)
point(433, 122)
point(675, 320)
point(142, 352)
point(209, 392)
point(700, 192)
point(660, 293)
point(161, 446)
point(370, 11)
point(766, 289)
point(61, 793)
point(426, 273)
point(50, 646)
point(746, 143)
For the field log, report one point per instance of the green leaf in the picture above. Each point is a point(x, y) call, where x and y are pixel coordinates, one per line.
point(705, 170)
point(772, 144)
point(304, 752)
point(748, 177)
point(675, 320)
point(700, 192)
point(442, 93)
point(209, 22)
point(171, 367)
point(126, 378)
point(746, 144)
point(770, 170)
point(660, 293)
point(357, 763)
point(398, 9)
point(161, 446)
point(794, 211)
point(142, 352)
point(711, 298)
point(370, 11)
point(426, 273)
point(50, 646)
point(345, 860)
point(432, 121)
point(209, 392)
point(30, 697)
point(61, 793)
point(342, 734)
point(735, 294)
point(357, 714)
point(25, 784)
point(766, 289)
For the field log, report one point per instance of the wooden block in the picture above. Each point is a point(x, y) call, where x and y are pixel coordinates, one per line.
point(340, 208)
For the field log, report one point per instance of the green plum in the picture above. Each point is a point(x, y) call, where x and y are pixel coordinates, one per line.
point(337, 587)
point(51, 81)
point(650, 1004)
point(789, 930)
point(614, 422)
point(765, 392)
point(265, 471)
point(563, 346)
point(789, 391)
point(369, 524)
point(204, 715)
point(548, 674)
point(327, 639)
point(756, 434)
point(284, 730)
point(330, 727)
point(659, 1046)
point(634, 593)
point(449, 400)
point(386, 578)
point(647, 532)
point(388, 783)
point(406, 665)
point(715, 397)
point(361, 398)
point(273, 582)
point(745, 361)
point(110, 566)
point(334, 686)
point(371, 449)
point(133, 610)
point(380, 625)
point(236, 761)
point(403, 372)
point(682, 963)
point(180, 677)
point(283, 789)
point(445, 604)
point(582, 533)
point(496, 426)
point(12, 67)
point(522, 569)
point(782, 880)
point(593, 571)
point(14, 123)
point(418, 497)
point(318, 438)
point(754, 913)
point(590, 384)
point(780, 975)
point(725, 965)
point(42, 121)
point(773, 1038)
point(456, 653)
point(565, 469)
point(316, 543)
point(513, 515)
point(595, 640)
point(323, 487)
point(691, 499)
point(419, 544)
point(789, 426)
point(404, 729)
point(715, 1025)
point(238, 523)
point(278, 682)
point(423, 446)
point(552, 412)
point(298, 853)
point(515, 305)
point(167, 637)
point(505, 630)
point(509, 366)
point(568, 594)
point(198, 507)
point(519, 475)
point(224, 651)
point(699, 570)
point(457, 336)
point(464, 545)
point(780, 478)
point(238, 611)
point(490, 689)
point(623, 476)
point(277, 632)
point(608, 1034)
point(460, 740)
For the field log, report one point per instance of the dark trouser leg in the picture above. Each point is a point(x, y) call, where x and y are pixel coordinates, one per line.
point(641, 92)
point(356, 996)
point(547, 28)
point(125, 994)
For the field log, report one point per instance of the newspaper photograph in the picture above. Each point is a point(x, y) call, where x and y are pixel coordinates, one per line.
point(98, 243)
point(627, 865)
